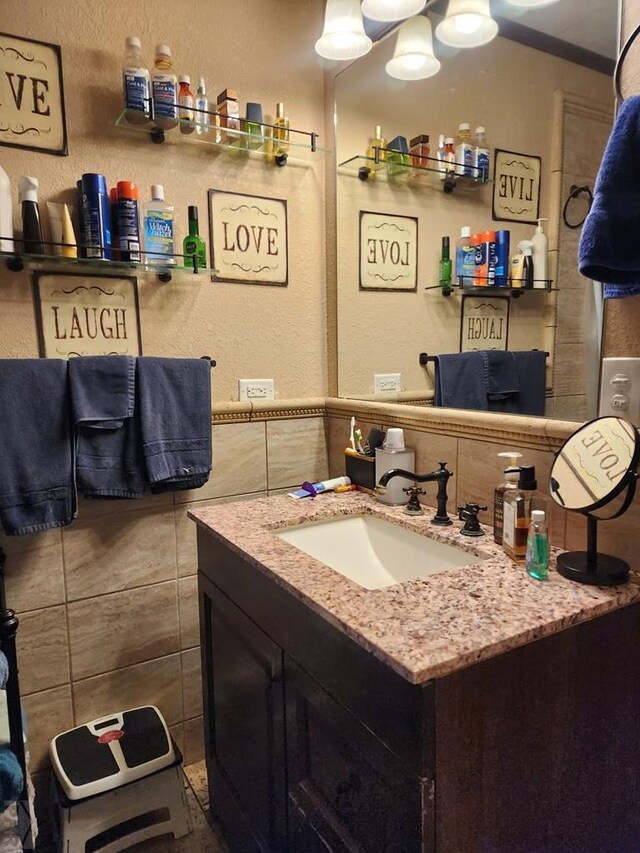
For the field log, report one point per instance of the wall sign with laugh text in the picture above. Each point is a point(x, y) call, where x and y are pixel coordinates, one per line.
point(249, 242)
point(31, 95)
point(485, 323)
point(388, 252)
point(86, 315)
point(516, 191)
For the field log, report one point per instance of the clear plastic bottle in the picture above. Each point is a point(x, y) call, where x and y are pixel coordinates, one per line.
point(164, 89)
point(440, 155)
point(464, 151)
point(203, 119)
point(537, 557)
point(135, 83)
point(185, 102)
point(449, 155)
point(158, 232)
point(481, 156)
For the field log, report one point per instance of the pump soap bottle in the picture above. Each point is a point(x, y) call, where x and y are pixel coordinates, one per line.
point(518, 506)
point(511, 477)
point(31, 226)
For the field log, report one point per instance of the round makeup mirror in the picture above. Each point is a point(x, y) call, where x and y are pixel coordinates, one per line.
point(593, 467)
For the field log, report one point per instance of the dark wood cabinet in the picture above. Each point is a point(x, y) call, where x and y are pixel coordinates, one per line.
point(315, 746)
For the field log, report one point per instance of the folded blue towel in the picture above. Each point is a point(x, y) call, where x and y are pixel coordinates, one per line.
point(174, 400)
point(461, 381)
point(4, 670)
point(11, 778)
point(531, 366)
point(501, 380)
point(609, 251)
point(36, 464)
point(109, 462)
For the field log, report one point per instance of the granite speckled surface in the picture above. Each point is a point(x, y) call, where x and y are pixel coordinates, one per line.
point(423, 628)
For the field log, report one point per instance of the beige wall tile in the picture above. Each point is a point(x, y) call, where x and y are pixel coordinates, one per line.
point(570, 309)
point(566, 358)
point(122, 628)
point(155, 682)
point(34, 570)
point(618, 537)
point(571, 407)
point(99, 509)
point(480, 471)
point(191, 683)
point(297, 451)
point(239, 463)
point(189, 616)
point(48, 713)
point(43, 653)
point(121, 551)
point(177, 733)
point(193, 740)
point(186, 530)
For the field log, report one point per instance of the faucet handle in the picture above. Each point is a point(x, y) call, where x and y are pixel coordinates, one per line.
point(469, 514)
point(443, 467)
point(413, 507)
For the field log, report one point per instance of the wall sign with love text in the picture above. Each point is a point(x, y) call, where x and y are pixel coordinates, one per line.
point(388, 252)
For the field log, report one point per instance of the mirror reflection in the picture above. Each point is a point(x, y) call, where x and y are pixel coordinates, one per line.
point(536, 104)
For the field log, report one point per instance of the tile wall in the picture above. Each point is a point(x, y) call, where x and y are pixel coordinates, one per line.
point(108, 606)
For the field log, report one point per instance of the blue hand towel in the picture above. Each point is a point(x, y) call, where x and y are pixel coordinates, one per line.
point(531, 366)
point(609, 249)
point(11, 778)
point(501, 380)
point(36, 463)
point(109, 462)
point(174, 399)
point(4, 670)
point(461, 381)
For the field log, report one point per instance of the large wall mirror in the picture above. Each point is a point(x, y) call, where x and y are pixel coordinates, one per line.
point(542, 89)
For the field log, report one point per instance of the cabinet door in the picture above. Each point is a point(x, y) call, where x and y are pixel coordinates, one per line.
point(244, 708)
point(347, 793)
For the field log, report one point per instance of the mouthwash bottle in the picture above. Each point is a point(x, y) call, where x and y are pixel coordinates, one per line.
point(136, 83)
point(164, 89)
point(537, 558)
point(158, 229)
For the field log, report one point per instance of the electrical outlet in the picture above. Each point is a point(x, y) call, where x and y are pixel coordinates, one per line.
point(383, 383)
point(255, 389)
point(620, 389)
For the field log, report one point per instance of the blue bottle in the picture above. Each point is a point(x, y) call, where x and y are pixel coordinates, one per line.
point(502, 258)
point(96, 216)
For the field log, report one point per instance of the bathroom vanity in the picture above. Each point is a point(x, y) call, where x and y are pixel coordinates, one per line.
point(472, 710)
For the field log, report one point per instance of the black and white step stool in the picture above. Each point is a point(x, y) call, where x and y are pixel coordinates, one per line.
point(118, 777)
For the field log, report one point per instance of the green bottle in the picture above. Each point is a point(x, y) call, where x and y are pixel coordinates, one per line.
point(444, 267)
point(193, 246)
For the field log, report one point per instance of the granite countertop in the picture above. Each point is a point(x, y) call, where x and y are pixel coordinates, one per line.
point(422, 628)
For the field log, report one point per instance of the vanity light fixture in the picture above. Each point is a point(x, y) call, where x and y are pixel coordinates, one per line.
point(468, 23)
point(343, 36)
point(413, 58)
point(391, 10)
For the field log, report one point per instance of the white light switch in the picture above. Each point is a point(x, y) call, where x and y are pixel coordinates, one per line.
point(620, 389)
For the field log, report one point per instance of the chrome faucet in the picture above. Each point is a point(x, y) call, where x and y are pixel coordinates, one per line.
point(441, 477)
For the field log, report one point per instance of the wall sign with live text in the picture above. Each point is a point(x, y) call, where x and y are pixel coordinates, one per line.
point(516, 190)
point(31, 95)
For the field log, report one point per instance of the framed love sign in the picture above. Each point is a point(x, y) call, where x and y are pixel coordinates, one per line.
point(388, 252)
point(249, 242)
point(31, 95)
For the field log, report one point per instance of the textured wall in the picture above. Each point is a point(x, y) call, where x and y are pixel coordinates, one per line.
point(264, 49)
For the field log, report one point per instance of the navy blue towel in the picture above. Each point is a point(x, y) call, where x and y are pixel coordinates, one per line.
point(501, 380)
point(532, 377)
point(4, 670)
point(174, 400)
point(609, 248)
point(461, 381)
point(109, 462)
point(36, 464)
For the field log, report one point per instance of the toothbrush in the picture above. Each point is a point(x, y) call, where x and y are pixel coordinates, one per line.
point(358, 438)
point(352, 438)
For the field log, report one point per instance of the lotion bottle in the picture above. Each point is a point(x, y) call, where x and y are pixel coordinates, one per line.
point(6, 213)
point(511, 477)
point(31, 225)
point(540, 251)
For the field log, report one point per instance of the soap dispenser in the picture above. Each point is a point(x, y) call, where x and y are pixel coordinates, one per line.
point(511, 477)
point(519, 503)
point(540, 250)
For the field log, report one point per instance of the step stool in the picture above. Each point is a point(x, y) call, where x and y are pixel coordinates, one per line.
point(118, 781)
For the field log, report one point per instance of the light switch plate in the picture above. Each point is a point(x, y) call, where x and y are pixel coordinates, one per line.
point(620, 389)
point(384, 383)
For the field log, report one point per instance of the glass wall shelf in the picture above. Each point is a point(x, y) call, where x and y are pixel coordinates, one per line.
point(17, 261)
point(509, 289)
point(415, 171)
point(263, 141)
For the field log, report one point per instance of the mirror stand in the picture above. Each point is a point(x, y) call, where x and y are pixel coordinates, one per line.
point(588, 566)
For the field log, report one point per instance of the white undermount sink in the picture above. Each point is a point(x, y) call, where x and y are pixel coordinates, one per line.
point(373, 552)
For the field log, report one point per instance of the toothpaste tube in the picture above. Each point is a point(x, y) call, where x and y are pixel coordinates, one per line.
point(310, 490)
